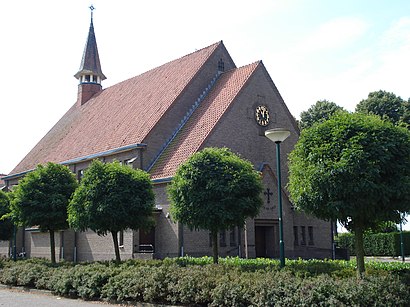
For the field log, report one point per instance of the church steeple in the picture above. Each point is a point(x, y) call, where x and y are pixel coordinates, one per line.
point(90, 74)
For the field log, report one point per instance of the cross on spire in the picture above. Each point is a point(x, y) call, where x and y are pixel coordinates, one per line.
point(92, 8)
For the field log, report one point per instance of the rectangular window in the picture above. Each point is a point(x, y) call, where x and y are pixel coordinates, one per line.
point(80, 174)
point(232, 237)
point(295, 236)
point(303, 232)
point(121, 239)
point(222, 239)
point(310, 234)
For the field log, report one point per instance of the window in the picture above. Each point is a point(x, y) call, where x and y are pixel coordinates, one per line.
point(222, 238)
point(121, 239)
point(232, 237)
point(221, 65)
point(310, 234)
point(303, 232)
point(80, 174)
point(87, 78)
point(295, 236)
point(210, 239)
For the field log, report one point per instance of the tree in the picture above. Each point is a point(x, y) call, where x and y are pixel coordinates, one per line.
point(354, 168)
point(41, 199)
point(112, 198)
point(384, 104)
point(6, 225)
point(215, 190)
point(320, 111)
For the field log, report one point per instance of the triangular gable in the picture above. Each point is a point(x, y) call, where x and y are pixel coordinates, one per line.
point(266, 170)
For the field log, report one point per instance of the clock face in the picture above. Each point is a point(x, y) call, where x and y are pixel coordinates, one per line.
point(262, 116)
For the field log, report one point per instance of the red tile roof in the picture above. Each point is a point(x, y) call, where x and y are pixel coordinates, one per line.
point(120, 115)
point(202, 121)
point(2, 183)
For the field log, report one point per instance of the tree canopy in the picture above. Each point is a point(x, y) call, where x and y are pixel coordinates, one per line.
point(386, 105)
point(318, 112)
point(6, 225)
point(41, 199)
point(112, 198)
point(215, 190)
point(354, 168)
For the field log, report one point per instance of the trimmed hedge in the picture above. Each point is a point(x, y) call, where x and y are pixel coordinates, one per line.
point(234, 282)
point(378, 244)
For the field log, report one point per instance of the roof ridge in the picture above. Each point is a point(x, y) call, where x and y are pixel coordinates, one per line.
point(215, 45)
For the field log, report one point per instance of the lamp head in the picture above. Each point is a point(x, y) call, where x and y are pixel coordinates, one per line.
point(277, 135)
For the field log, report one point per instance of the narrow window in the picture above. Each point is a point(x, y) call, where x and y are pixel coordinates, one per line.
point(121, 239)
point(222, 238)
point(221, 65)
point(87, 78)
point(310, 234)
point(303, 232)
point(80, 174)
point(232, 237)
point(295, 236)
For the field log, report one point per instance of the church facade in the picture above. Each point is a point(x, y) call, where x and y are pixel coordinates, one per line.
point(155, 121)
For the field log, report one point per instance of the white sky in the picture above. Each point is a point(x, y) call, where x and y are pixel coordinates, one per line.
point(313, 49)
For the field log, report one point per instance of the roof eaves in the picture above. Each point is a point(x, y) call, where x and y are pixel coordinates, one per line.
point(162, 180)
point(86, 158)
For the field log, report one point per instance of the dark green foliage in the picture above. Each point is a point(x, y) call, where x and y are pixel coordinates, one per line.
point(320, 111)
point(380, 244)
point(112, 198)
point(324, 283)
point(6, 225)
point(215, 190)
point(41, 199)
point(386, 105)
point(353, 168)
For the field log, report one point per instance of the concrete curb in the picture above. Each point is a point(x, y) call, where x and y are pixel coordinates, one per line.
point(50, 293)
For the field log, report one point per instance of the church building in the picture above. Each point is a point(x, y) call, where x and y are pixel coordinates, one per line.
point(155, 121)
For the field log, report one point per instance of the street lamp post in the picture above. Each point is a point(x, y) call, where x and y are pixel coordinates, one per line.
point(401, 239)
point(278, 135)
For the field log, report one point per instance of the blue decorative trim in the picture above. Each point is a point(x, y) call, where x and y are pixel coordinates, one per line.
point(104, 153)
point(185, 119)
point(162, 180)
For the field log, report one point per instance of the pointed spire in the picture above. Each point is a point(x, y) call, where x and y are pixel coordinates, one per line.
point(90, 74)
point(90, 67)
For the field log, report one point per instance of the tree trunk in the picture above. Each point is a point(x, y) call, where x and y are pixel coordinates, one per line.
point(215, 246)
point(116, 248)
point(358, 242)
point(52, 247)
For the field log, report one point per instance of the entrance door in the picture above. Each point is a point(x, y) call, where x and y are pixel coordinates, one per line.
point(147, 241)
point(260, 241)
point(266, 243)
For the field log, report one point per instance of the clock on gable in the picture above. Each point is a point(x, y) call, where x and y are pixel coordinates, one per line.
point(262, 115)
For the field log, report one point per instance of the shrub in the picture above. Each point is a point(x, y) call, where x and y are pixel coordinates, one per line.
point(234, 282)
point(378, 244)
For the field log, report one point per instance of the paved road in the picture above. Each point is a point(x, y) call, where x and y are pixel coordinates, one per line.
point(15, 298)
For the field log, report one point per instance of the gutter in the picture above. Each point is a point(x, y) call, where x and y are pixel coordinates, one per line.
point(85, 158)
